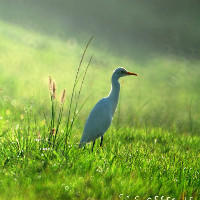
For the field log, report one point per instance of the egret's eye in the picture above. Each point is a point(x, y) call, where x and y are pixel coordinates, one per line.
point(122, 71)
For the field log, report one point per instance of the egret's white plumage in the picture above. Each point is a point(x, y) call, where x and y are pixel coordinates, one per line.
point(101, 115)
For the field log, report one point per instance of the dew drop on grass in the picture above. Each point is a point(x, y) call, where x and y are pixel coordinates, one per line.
point(66, 187)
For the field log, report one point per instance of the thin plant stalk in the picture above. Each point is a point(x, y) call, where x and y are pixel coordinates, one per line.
point(77, 113)
point(76, 78)
point(52, 90)
point(79, 110)
point(59, 117)
point(77, 101)
point(73, 90)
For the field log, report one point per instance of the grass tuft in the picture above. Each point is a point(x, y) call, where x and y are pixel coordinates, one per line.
point(68, 126)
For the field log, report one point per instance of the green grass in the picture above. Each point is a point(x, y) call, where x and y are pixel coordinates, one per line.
point(131, 163)
point(152, 148)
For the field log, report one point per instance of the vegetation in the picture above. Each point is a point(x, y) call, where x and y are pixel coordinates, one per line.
point(152, 148)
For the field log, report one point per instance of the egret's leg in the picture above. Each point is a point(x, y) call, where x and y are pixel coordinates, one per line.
point(93, 145)
point(101, 143)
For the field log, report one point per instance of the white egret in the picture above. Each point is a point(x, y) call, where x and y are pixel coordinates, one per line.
point(101, 115)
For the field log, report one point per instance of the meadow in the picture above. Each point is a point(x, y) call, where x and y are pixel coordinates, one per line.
point(151, 151)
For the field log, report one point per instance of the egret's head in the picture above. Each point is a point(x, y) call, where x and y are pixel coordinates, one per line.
point(120, 72)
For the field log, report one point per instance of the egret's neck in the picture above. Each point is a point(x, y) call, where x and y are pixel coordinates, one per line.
point(114, 92)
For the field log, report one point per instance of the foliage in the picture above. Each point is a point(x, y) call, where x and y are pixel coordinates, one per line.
point(152, 148)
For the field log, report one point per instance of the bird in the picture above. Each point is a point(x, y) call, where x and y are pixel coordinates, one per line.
point(100, 118)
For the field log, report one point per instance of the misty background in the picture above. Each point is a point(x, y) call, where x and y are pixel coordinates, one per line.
point(134, 28)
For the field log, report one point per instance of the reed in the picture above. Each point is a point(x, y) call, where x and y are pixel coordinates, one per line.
point(69, 125)
point(55, 124)
point(52, 92)
point(75, 113)
point(60, 116)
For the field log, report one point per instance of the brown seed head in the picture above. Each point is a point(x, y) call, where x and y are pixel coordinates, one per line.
point(53, 131)
point(63, 96)
point(50, 84)
point(54, 90)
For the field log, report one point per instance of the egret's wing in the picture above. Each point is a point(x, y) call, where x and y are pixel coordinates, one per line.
point(98, 121)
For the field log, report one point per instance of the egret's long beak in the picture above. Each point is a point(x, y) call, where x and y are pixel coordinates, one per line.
point(130, 73)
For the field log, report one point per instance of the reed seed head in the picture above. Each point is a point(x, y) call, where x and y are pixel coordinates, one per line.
point(50, 84)
point(63, 96)
point(53, 131)
point(54, 90)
